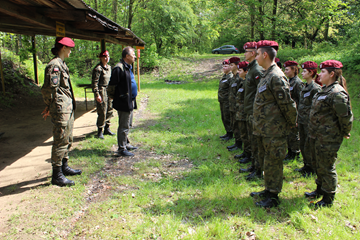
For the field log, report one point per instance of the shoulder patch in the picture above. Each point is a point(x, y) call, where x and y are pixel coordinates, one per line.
point(257, 77)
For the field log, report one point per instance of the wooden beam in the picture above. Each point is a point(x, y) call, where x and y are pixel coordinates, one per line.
point(34, 59)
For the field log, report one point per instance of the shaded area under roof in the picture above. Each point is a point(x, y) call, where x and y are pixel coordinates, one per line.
point(39, 17)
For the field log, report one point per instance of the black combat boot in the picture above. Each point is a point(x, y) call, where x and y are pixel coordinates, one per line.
point(68, 171)
point(315, 194)
point(238, 145)
point(228, 137)
point(243, 155)
point(261, 194)
point(100, 133)
point(253, 175)
point(306, 171)
point(272, 200)
point(326, 201)
point(224, 136)
point(291, 155)
point(249, 169)
point(107, 131)
point(232, 146)
point(245, 160)
point(59, 179)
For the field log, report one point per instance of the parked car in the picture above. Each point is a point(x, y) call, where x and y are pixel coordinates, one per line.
point(226, 49)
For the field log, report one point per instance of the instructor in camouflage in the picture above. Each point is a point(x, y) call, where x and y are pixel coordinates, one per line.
point(60, 105)
point(330, 122)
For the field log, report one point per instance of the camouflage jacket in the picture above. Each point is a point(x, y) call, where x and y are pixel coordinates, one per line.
point(251, 82)
point(234, 86)
point(240, 94)
point(296, 85)
point(330, 115)
point(306, 97)
point(224, 85)
point(100, 78)
point(57, 91)
point(274, 110)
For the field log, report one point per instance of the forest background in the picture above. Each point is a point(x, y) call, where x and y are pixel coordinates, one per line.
point(188, 27)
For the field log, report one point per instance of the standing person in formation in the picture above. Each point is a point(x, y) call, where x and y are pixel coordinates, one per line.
point(240, 115)
point(278, 62)
point(100, 81)
point(309, 73)
point(296, 85)
point(330, 122)
point(223, 98)
point(60, 105)
point(274, 114)
point(122, 91)
point(234, 61)
point(252, 80)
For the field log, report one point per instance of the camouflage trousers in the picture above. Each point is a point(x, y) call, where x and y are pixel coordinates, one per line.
point(63, 124)
point(104, 110)
point(304, 146)
point(225, 115)
point(234, 126)
point(293, 140)
point(244, 136)
point(272, 151)
point(324, 155)
point(253, 142)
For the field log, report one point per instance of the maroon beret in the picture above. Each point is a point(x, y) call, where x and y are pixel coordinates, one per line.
point(290, 63)
point(225, 62)
point(267, 43)
point(309, 65)
point(234, 60)
point(65, 41)
point(277, 60)
point(243, 64)
point(104, 53)
point(331, 64)
point(251, 45)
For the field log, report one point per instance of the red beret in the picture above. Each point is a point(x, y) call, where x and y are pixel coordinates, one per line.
point(65, 41)
point(234, 60)
point(104, 53)
point(251, 45)
point(277, 60)
point(243, 64)
point(309, 65)
point(226, 62)
point(267, 43)
point(290, 63)
point(331, 64)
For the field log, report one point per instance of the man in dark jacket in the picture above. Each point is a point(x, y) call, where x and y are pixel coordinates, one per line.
point(120, 90)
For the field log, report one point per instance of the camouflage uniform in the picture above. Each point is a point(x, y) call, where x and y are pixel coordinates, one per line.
point(100, 80)
point(304, 107)
point(234, 86)
point(59, 98)
point(223, 98)
point(251, 82)
point(329, 121)
point(240, 115)
point(296, 85)
point(274, 113)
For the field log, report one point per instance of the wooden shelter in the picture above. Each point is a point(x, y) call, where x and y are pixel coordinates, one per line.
point(70, 18)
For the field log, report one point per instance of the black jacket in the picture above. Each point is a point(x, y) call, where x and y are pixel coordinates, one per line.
point(120, 87)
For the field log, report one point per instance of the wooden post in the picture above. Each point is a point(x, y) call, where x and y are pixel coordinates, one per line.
point(34, 59)
point(102, 42)
point(2, 74)
point(138, 68)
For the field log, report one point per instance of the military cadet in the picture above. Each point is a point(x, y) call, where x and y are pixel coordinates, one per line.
point(278, 62)
point(60, 105)
point(223, 98)
point(234, 82)
point(296, 85)
point(252, 80)
point(274, 114)
point(309, 73)
point(330, 121)
point(240, 115)
point(100, 81)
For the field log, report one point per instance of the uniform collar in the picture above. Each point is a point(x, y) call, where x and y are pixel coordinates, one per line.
point(269, 69)
point(331, 86)
point(106, 68)
point(253, 63)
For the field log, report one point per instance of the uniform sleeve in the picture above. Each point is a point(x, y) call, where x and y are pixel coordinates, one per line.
point(51, 82)
point(341, 105)
point(281, 92)
point(95, 81)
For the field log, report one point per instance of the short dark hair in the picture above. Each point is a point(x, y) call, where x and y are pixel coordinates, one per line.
point(126, 51)
point(270, 51)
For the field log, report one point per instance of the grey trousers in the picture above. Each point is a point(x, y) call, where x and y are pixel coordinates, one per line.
point(123, 129)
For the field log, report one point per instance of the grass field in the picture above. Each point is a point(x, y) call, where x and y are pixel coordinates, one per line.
point(188, 185)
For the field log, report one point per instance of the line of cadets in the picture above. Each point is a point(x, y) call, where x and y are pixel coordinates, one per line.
point(270, 114)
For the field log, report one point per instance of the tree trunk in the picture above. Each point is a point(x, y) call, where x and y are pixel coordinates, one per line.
point(261, 20)
point(326, 33)
point(115, 8)
point(273, 34)
point(95, 5)
point(252, 22)
point(17, 44)
point(131, 13)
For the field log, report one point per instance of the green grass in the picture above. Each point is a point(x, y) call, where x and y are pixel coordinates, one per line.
point(209, 200)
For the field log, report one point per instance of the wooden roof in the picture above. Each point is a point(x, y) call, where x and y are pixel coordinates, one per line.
point(39, 17)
